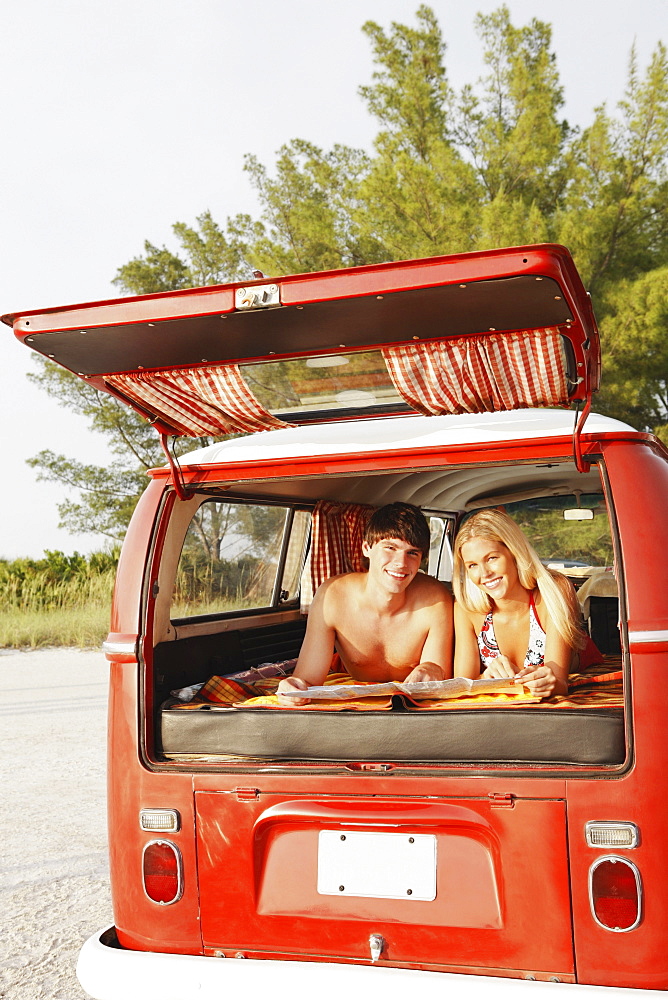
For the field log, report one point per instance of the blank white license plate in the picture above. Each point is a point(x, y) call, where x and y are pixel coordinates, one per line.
point(382, 865)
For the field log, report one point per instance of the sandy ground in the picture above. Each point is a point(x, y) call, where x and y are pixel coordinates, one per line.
point(54, 886)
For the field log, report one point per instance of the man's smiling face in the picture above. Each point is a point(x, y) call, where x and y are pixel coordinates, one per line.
point(393, 563)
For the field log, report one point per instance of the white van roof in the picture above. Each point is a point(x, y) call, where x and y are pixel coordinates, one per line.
point(388, 434)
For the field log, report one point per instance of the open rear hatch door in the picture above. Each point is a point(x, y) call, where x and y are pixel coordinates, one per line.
point(501, 329)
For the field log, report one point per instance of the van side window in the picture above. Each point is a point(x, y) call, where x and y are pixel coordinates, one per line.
point(237, 557)
point(572, 535)
point(441, 530)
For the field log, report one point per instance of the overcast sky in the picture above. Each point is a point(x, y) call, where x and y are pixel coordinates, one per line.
point(119, 119)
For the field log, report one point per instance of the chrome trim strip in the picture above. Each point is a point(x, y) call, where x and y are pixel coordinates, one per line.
point(179, 872)
point(658, 635)
point(126, 648)
point(629, 864)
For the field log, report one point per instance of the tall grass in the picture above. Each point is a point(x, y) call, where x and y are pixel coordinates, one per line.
point(56, 601)
point(65, 600)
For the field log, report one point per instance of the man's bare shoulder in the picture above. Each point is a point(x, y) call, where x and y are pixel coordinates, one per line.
point(427, 590)
point(336, 587)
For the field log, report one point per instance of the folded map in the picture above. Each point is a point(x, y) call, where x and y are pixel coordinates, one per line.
point(456, 687)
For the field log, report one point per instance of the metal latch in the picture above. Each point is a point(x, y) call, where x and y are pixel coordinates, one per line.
point(257, 297)
point(368, 766)
point(502, 800)
point(376, 946)
point(246, 794)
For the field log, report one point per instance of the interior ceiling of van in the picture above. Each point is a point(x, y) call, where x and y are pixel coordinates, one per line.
point(439, 489)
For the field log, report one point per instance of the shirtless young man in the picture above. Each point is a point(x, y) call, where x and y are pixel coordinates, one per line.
point(390, 623)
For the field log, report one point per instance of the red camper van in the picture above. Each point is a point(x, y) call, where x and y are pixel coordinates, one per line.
point(425, 845)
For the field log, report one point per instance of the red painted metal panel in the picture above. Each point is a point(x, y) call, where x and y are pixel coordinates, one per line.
point(140, 922)
point(127, 599)
point(639, 482)
point(546, 259)
point(520, 450)
point(258, 882)
point(637, 958)
point(638, 474)
point(133, 309)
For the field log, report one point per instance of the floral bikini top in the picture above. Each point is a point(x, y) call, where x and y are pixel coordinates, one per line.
point(489, 647)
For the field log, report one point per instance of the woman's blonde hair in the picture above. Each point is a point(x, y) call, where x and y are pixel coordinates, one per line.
point(495, 525)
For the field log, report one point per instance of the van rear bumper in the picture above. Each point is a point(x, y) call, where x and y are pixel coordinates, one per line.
point(109, 972)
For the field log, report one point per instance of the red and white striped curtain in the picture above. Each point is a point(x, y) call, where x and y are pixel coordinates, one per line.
point(474, 374)
point(337, 533)
point(197, 401)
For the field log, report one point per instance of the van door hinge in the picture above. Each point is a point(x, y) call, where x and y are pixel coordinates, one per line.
point(177, 476)
point(502, 800)
point(246, 794)
point(257, 297)
point(580, 463)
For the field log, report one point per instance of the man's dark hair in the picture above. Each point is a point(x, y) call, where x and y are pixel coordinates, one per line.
point(399, 520)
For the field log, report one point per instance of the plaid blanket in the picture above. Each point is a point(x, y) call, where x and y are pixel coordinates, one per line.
point(599, 686)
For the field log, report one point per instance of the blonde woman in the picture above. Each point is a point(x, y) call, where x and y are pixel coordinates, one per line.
point(513, 617)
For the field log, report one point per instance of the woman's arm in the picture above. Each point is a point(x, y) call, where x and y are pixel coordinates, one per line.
point(467, 655)
point(552, 677)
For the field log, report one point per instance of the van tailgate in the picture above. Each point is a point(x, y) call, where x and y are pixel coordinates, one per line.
point(468, 884)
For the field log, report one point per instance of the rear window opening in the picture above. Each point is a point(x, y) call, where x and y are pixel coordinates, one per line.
point(240, 586)
point(335, 384)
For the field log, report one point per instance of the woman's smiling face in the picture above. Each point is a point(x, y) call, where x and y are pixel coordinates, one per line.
point(491, 566)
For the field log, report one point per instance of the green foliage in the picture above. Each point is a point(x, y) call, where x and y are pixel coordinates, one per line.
point(58, 600)
point(556, 539)
point(226, 559)
point(216, 583)
point(494, 165)
point(100, 499)
point(614, 216)
point(635, 344)
point(108, 495)
point(211, 258)
point(419, 196)
point(158, 270)
point(56, 581)
point(311, 207)
point(516, 138)
point(585, 541)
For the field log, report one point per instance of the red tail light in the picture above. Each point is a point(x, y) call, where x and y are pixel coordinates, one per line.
point(162, 873)
point(615, 894)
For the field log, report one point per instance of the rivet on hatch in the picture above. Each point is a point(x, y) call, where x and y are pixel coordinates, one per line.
point(376, 946)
